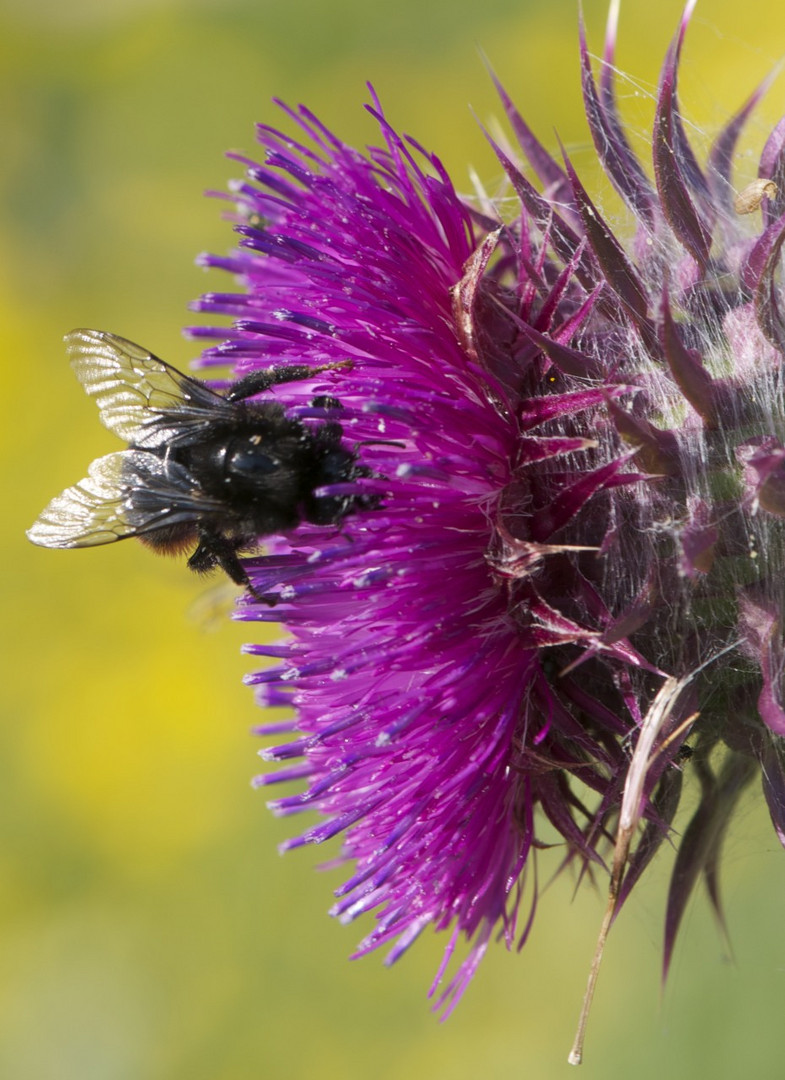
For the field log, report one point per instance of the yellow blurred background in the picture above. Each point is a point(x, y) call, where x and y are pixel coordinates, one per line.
point(149, 929)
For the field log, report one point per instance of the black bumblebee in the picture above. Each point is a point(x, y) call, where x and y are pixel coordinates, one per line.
point(216, 470)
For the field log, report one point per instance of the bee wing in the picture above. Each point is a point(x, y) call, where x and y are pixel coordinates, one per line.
point(128, 493)
point(140, 398)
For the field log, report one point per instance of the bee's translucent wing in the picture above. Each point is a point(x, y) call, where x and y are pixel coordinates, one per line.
point(128, 493)
point(140, 398)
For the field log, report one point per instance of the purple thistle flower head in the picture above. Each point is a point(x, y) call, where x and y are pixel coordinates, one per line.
point(567, 549)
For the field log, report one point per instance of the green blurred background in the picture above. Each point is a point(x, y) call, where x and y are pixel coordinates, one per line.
point(150, 930)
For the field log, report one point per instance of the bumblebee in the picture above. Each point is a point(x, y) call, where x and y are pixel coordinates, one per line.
point(218, 471)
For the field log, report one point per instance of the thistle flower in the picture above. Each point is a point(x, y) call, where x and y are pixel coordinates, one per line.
point(571, 556)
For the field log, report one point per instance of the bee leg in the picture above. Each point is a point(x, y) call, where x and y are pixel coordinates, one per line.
point(259, 381)
point(215, 550)
point(329, 433)
point(324, 401)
